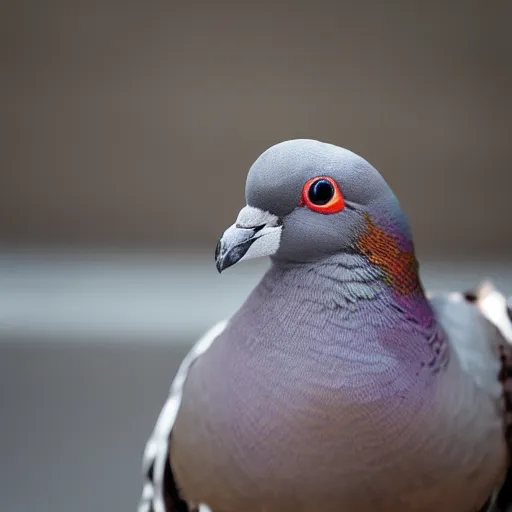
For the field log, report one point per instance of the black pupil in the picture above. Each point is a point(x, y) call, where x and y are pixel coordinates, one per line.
point(321, 192)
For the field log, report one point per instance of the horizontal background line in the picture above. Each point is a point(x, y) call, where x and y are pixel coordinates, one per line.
point(124, 297)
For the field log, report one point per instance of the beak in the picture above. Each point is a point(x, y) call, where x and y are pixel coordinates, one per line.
point(255, 233)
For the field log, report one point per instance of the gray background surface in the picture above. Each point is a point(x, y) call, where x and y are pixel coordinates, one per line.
point(126, 132)
point(134, 123)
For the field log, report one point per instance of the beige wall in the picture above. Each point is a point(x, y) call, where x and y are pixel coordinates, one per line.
point(133, 124)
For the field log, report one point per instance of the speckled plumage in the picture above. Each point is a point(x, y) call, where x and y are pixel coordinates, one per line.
point(338, 385)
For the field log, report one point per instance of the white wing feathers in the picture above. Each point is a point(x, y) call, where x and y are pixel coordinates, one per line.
point(157, 449)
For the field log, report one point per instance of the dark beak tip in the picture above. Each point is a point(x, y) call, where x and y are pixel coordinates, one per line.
point(218, 259)
point(229, 252)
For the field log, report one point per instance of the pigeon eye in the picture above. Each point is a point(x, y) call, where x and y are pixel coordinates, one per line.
point(322, 195)
point(320, 192)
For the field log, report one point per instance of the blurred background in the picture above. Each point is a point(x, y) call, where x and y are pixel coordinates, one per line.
point(127, 129)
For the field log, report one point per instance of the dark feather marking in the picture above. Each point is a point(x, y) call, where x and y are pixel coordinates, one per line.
point(172, 499)
point(470, 296)
point(504, 502)
point(149, 472)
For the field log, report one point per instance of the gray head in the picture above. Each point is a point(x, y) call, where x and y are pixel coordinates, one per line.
point(307, 200)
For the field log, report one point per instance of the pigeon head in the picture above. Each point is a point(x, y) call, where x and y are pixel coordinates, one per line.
point(308, 200)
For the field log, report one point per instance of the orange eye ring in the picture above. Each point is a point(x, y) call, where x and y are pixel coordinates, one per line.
point(326, 201)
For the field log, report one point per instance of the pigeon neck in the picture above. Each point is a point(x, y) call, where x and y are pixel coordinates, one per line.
point(347, 293)
point(350, 283)
point(378, 270)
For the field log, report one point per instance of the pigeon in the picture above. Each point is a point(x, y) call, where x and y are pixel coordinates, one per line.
point(340, 384)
